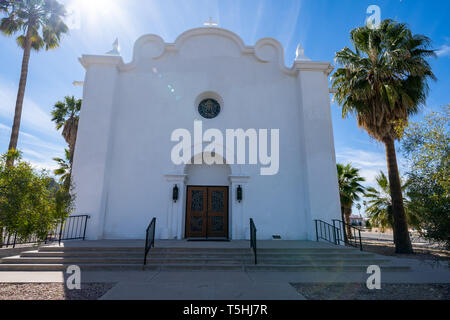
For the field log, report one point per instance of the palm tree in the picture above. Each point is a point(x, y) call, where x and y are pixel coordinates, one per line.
point(67, 114)
point(380, 205)
point(64, 170)
point(349, 191)
point(383, 82)
point(358, 206)
point(40, 25)
point(3, 5)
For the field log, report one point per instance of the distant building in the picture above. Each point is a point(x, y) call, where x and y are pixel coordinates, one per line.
point(357, 221)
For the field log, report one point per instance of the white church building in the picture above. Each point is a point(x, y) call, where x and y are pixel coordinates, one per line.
point(204, 134)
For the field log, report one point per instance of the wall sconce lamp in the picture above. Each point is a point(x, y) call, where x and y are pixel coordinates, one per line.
point(175, 193)
point(239, 193)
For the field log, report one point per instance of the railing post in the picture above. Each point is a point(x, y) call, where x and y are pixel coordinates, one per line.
point(334, 234)
point(317, 232)
point(85, 225)
point(60, 232)
point(360, 240)
point(344, 232)
point(149, 232)
point(145, 250)
point(154, 229)
point(253, 239)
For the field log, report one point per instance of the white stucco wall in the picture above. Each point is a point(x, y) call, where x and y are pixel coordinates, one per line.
point(123, 173)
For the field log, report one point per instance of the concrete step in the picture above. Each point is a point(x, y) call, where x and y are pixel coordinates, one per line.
point(115, 260)
point(185, 260)
point(63, 267)
point(199, 254)
point(140, 249)
point(199, 267)
point(322, 261)
point(324, 268)
point(56, 258)
point(197, 250)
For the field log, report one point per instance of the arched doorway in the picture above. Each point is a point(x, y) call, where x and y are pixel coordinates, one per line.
point(207, 201)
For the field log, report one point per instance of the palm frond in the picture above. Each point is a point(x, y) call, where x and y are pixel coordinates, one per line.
point(384, 79)
point(43, 17)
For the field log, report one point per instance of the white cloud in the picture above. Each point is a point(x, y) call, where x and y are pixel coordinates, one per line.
point(443, 51)
point(370, 163)
point(35, 150)
point(42, 164)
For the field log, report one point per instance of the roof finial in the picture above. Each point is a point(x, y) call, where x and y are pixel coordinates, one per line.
point(301, 54)
point(210, 23)
point(116, 48)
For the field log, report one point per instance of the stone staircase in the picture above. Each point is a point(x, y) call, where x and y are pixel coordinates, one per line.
point(54, 258)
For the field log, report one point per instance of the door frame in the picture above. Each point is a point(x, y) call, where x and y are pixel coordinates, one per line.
point(187, 211)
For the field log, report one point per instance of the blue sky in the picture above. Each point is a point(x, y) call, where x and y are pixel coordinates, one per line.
point(320, 26)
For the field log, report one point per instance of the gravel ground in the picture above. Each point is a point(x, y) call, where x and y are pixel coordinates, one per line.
point(356, 291)
point(421, 253)
point(52, 291)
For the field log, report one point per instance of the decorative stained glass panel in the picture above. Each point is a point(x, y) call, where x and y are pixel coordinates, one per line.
point(196, 224)
point(209, 108)
point(217, 201)
point(217, 224)
point(197, 200)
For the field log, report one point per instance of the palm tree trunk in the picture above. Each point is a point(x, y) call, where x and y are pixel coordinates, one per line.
point(71, 151)
point(401, 234)
point(348, 213)
point(343, 224)
point(20, 95)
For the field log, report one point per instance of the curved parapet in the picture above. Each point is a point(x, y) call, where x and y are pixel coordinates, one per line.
point(203, 42)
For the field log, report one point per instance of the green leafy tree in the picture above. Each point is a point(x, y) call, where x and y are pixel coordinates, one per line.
point(426, 146)
point(359, 207)
point(383, 81)
point(350, 189)
point(66, 115)
point(30, 203)
point(39, 24)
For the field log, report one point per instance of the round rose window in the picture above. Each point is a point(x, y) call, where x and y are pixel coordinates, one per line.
point(209, 108)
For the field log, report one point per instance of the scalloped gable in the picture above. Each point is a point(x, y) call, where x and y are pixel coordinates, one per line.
point(203, 42)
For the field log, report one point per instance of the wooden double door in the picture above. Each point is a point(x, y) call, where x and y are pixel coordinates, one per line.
point(207, 212)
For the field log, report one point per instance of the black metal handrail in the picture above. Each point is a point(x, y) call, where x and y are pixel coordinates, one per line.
point(353, 239)
point(72, 228)
point(149, 239)
point(253, 239)
point(326, 232)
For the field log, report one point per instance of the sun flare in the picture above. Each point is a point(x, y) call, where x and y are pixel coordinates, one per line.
point(96, 6)
point(93, 12)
